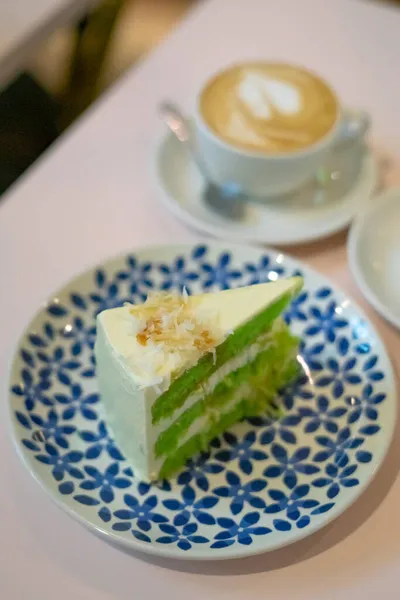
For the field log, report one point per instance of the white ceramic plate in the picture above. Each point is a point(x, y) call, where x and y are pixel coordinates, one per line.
point(262, 485)
point(301, 218)
point(374, 254)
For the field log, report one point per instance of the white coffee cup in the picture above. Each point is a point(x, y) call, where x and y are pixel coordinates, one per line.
point(267, 174)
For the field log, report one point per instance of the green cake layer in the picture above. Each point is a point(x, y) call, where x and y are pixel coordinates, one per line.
point(245, 335)
point(247, 391)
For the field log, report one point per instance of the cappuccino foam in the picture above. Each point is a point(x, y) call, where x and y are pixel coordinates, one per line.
point(270, 108)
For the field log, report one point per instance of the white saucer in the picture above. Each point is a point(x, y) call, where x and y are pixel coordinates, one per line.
point(374, 254)
point(303, 217)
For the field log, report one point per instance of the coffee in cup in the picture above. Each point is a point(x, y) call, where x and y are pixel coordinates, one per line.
point(268, 108)
point(266, 127)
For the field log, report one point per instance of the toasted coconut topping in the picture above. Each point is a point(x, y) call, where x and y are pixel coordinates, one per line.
point(172, 334)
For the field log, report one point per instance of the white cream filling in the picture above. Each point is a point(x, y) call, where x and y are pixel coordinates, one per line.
point(248, 355)
point(203, 423)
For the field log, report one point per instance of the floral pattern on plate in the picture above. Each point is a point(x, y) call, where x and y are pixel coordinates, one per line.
point(262, 484)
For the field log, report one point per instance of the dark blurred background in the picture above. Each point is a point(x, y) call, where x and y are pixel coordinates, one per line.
point(69, 69)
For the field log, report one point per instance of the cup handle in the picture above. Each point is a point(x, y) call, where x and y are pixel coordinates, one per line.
point(354, 125)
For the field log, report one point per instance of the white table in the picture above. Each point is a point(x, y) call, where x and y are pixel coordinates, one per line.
point(25, 23)
point(93, 195)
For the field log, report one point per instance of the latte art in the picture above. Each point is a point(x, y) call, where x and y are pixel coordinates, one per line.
point(269, 108)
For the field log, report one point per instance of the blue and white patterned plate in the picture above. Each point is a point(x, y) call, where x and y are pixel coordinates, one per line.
point(262, 485)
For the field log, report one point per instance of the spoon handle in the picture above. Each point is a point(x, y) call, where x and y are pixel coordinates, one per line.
point(180, 126)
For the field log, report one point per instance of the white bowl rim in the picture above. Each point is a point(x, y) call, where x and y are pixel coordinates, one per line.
point(379, 202)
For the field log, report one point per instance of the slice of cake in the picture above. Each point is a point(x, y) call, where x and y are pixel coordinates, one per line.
point(177, 371)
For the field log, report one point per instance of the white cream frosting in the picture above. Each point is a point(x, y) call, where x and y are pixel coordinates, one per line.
point(162, 338)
